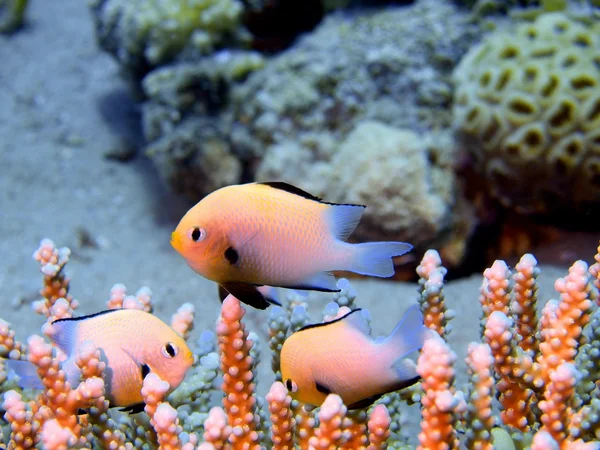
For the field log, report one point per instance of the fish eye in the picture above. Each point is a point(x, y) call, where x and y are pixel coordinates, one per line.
point(170, 350)
point(197, 234)
point(290, 385)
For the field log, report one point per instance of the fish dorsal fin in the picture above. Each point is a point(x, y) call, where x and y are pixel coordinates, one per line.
point(354, 318)
point(358, 321)
point(343, 219)
point(89, 316)
point(283, 186)
point(63, 331)
point(409, 334)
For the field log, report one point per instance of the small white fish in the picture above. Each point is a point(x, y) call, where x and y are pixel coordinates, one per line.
point(274, 234)
point(341, 357)
point(133, 343)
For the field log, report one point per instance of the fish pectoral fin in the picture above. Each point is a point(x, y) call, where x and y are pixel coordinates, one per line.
point(134, 409)
point(248, 294)
point(269, 294)
point(365, 402)
point(322, 388)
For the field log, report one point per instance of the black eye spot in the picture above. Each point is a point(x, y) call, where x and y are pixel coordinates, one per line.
point(196, 234)
point(170, 350)
point(289, 385)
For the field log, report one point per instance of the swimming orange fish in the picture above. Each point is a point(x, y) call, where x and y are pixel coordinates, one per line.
point(133, 343)
point(341, 357)
point(275, 234)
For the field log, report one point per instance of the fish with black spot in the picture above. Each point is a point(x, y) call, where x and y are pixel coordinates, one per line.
point(132, 343)
point(275, 234)
point(342, 358)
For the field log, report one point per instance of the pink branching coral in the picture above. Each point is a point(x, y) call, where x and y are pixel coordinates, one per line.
point(440, 402)
point(239, 402)
point(543, 372)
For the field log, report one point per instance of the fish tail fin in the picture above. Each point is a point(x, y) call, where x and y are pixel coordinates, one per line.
point(410, 332)
point(407, 337)
point(375, 258)
point(26, 373)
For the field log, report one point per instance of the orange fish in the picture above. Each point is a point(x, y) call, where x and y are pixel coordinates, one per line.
point(274, 234)
point(133, 343)
point(341, 357)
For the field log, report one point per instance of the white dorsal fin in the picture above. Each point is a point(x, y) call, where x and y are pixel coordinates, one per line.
point(357, 320)
point(343, 219)
point(63, 334)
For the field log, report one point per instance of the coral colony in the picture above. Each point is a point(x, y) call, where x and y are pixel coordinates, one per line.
point(532, 381)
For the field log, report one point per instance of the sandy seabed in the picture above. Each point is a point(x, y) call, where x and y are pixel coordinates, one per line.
point(63, 106)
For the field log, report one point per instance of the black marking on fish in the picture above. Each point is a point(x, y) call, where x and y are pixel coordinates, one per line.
point(89, 316)
point(323, 324)
point(365, 402)
point(247, 294)
point(310, 288)
point(223, 293)
point(281, 185)
point(322, 389)
point(134, 409)
point(232, 255)
point(145, 370)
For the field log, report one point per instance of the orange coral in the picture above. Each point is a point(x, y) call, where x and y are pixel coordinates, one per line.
point(563, 322)
point(431, 279)
point(282, 418)
point(480, 363)
point(555, 406)
point(524, 306)
point(439, 402)
point(513, 397)
point(379, 428)
point(495, 289)
point(329, 434)
point(56, 284)
point(239, 402)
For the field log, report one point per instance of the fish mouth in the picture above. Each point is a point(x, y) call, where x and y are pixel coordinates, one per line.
point(176, 241)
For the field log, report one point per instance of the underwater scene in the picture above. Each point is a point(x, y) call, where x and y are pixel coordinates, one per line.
point(300, 224)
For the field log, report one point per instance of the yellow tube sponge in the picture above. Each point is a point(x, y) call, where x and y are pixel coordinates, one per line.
point(527, 109)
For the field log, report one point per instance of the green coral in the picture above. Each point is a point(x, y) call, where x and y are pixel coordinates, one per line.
point(143, 34)
point(527, 107)
point(12, 14)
